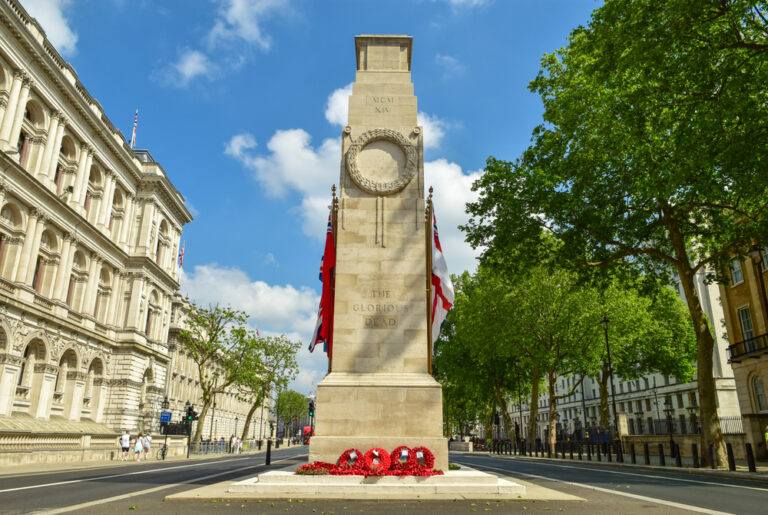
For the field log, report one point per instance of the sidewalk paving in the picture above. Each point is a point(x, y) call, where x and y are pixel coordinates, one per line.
point(42, 468)
point(741, 472)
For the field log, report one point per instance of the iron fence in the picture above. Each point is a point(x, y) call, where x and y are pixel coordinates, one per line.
point(731, 425)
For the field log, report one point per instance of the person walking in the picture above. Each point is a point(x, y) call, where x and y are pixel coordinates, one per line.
point(125, 443)
point(147, 446)
point(138, 447)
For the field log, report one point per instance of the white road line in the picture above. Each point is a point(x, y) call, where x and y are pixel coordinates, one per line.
point(624, 494)
point(84, 505)
point(98, 478)
point(670, 478)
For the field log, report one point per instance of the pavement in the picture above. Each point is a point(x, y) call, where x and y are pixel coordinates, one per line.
point(44, 468)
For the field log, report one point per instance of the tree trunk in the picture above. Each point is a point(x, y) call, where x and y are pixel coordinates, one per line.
point(605, 413)
point(534, 407)
point(552, 422)
point(201, 421)
point(503, 405)
point(248, 419)
point(711, 433)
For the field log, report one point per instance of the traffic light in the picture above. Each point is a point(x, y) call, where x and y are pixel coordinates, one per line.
point(311, 408)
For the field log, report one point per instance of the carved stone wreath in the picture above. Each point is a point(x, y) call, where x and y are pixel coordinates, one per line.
point(375, 187)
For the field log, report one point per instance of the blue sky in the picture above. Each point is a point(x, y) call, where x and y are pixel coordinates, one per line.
point(242, 102)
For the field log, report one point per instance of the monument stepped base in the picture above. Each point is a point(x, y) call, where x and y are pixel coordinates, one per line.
point(459, 484)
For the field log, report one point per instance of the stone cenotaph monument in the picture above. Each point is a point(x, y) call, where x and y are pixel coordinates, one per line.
point(379, 392)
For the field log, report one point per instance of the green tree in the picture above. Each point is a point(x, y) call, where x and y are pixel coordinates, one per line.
point(647, 334)
point(223, 349)
point(278, 368)
point(291, 406)
point(652, 152)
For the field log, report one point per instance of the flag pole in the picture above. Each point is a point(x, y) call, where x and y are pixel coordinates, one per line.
point(428, 228)
point(334, 225)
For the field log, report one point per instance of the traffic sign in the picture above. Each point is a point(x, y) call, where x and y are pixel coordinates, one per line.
point(165, 416)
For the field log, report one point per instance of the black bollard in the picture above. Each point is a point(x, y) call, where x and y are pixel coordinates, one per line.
point(750, 458)
point(662, 461)
point(549, 451)
point(571, 450)
point(712, 459)
point(589, 451)
point(632, 454)
point(598, 452)
point(258, 444)
point(647, 453)
point(269, 451)
point(678, 458)
point(695, 455)
point(562, 450)
point(277, 443)
point(608, 451)
point(731, 460)
point(579, 451)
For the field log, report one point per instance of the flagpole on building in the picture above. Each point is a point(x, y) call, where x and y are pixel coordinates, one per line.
point(428, 229)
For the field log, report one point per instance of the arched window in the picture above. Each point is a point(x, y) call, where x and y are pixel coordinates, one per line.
point(44, 266)
point(102, 295)
point(92, 405)
point(31, 134)
point(761, 403)
point(77, 280)
point(94, 186)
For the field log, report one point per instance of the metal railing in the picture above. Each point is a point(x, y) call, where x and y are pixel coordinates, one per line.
point(748, 347)
point(732, 425)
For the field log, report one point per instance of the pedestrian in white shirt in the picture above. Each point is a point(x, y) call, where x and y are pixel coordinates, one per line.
point(147, 446)
point(125, 443)
point(138, 447)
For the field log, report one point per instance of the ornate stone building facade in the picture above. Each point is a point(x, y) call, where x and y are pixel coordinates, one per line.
point(746, 317)
point(89, 234)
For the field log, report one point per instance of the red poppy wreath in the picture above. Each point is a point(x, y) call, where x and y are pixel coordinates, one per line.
point(402, 458)
point(424, 457)
point(351, 459)
point(377, 461)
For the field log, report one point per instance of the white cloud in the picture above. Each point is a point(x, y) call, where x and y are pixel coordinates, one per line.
point(191, 64)
point(293, 164)
point(337, 106)
point(434, 129)
point(241, 20)
point(450, 65)
point(274, 309)
point(50, 15)
point(453, 189)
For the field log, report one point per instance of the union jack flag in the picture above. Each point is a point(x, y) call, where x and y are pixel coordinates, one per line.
point(442, 287)
point(323, 328)
point(181, 255)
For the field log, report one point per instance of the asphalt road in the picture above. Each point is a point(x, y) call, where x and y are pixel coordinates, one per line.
point(71, 489)
point(704, 492)
point(141, 488)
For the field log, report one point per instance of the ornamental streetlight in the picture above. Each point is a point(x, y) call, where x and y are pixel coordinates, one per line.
point(668, 410)
point(605, 321)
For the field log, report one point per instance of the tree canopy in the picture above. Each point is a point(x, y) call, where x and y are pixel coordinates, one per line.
point(652, 151)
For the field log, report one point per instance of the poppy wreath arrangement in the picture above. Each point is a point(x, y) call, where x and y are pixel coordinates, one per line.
point(403, 461)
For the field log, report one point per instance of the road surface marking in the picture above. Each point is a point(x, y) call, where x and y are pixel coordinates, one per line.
point(44, 485)
point(616, 492)
point(88, 504)
point(683, 480)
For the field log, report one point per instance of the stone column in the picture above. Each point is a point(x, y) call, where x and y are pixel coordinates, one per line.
point(105, 206)
point(73, 396)
point(98, 398)
point(53, 159)
point(26, 249)
point(9, 373)
point(65, 267)
point(19, 116)
point(50, 144)
point(81, 179)
point(3, 107)
point(34, 250)
point(41, 390)
point(92, 286)
point(13, 101)
point(113, 300)
point(145, 232)
point(127, 220)
point(3, 192)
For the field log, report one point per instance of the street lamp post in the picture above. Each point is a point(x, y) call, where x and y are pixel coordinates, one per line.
point(605, 321)
point(668, 410)
point(164, 406)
